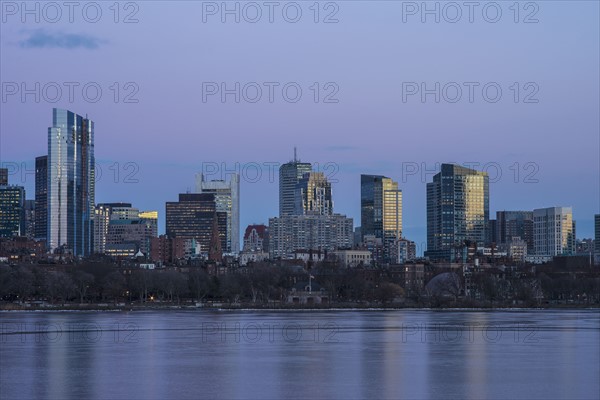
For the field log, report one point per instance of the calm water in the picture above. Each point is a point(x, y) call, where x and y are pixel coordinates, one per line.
point(333, 354)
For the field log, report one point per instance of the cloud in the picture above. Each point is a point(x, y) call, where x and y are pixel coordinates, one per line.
point(40, 39)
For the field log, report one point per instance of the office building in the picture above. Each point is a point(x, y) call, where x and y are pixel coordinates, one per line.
point(313, 195)
point(457, 211)
point(194, 216)
point(41, 198)
point(71, 183)
point(381, 212)
point(12, 211)
point(289, 176)
point(227, 199)
point(29, 215)
point(553, 231)
point(511, 224)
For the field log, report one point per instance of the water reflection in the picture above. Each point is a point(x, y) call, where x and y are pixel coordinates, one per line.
point(351, 354)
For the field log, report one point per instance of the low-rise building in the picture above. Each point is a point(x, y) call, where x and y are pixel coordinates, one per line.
point(353, 258)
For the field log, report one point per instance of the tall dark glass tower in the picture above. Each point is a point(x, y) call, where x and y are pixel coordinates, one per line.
point(41, 197)
point(289, 175)
point(381, 211)
point(457, 210)
point(70, 182)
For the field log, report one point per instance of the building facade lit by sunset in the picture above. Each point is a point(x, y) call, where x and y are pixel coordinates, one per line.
point(381, 211)
point(553, 231)
point(457, 210)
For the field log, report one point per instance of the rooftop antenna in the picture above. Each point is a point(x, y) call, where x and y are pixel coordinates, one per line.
point(295, 158)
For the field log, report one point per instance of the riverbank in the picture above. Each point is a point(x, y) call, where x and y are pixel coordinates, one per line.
point(129, 307)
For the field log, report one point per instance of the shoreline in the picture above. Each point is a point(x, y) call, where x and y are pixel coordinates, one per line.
point(102, 307)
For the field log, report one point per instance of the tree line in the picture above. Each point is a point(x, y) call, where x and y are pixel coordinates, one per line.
point(265, 283)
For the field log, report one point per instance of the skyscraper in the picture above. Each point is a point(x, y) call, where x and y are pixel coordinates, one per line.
point(553, 231)
point(289, 175)
point(457, 210)
point(70, 182)
point(41, 197)
point(381, 211)
point(313, 195)
point(29, 213)
point(227, 199)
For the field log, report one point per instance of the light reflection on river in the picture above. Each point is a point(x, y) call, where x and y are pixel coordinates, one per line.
point(324, 354)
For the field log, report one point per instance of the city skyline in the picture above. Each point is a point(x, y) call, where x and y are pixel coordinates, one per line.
point(228, 179)
point(524, 139)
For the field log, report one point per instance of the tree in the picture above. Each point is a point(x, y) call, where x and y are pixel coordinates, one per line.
point(83, 281)
point(21, 283)
point(59, 285)
point(388, 291)
point(199, 283)
point(113, 285)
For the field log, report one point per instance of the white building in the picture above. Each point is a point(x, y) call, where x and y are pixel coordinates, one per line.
point(553, 231)
point(309, 232)
point(353, 258)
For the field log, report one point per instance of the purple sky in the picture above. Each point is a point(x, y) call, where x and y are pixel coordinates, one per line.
point(368, 54)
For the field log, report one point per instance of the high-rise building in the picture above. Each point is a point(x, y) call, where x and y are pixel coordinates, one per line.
point(289, 175)
point(103, 214)
point(3, 176)
point(457, 210)
point(70, 182)
point(41, 198)
point(29, 213)
point(119, 224)
point(381, 211)
point(407, 251)
point(313, 195)
point(192, 217)
point(227, 199)
point(553, 231)
point(290, 233)
point(514, 224)
point(12, 211)
point(597, 238)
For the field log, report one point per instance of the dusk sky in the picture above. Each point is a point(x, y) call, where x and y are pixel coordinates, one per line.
point(170, 133)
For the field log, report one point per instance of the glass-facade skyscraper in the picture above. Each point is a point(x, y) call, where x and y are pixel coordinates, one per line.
point(553, 231)
point(70, 182)
point(289, 175)
point(381, 210)
point(457, 210)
